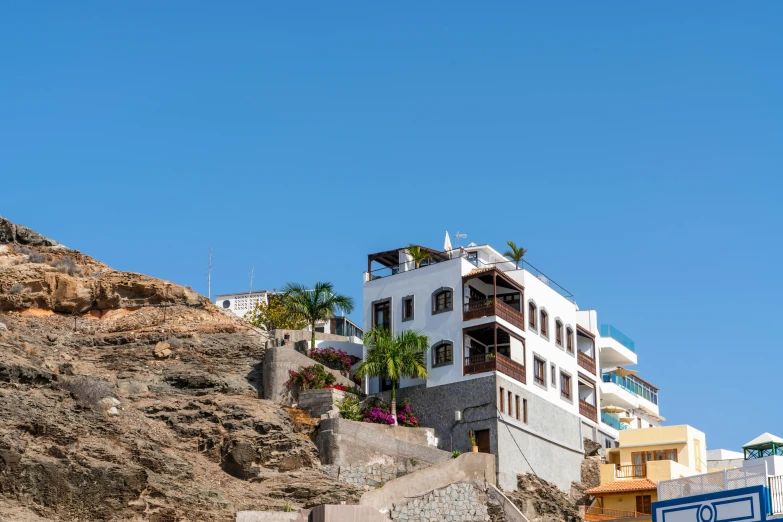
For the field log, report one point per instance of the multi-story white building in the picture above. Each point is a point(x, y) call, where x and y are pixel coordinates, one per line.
point(512, 357)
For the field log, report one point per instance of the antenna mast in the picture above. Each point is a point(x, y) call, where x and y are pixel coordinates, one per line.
point(252, 272)
point(209, 274)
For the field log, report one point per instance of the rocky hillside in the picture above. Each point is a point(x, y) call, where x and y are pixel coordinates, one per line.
point(124, 397)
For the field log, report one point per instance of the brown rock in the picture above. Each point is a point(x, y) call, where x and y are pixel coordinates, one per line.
point(162, 350)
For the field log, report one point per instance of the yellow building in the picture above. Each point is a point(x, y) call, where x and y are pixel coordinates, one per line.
point(645, 456)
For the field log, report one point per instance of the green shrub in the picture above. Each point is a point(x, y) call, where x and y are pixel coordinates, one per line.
point(455, 454)
point(351, 408)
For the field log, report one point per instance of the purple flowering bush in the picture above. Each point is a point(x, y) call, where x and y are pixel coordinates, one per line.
point(381, 414)
point(313, 377)
point(331, 358)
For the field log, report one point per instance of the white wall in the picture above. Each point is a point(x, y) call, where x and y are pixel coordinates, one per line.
point(351, 348)
point(558, 307)
point(446, 326)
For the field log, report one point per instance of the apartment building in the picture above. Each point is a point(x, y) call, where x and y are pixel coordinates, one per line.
point(644, 457)
point(512, 358)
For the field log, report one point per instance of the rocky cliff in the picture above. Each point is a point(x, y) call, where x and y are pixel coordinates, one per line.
point(124, 397)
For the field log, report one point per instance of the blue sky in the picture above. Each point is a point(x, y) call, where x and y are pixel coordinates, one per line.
point(634, 149)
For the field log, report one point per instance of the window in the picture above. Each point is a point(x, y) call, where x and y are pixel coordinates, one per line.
point(558, 332)
point(442, 354)
point(517, 402)
point(553, 373)
point(442, 300)
point(319, 329)
point(565, 386)
point(381, 316)
point(509, 403)
point(386, 384)
point(407, 308)
point(569, 340)
point(473, 258)
point(531, 313)
point(642, 457)
point(544, 323)
point(502, 402)
point(539, 371)
point(524, 411)
point(644, 504)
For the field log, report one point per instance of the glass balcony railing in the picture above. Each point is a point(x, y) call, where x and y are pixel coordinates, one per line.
point(633, 385)
point(613, 421)
point(607, 330)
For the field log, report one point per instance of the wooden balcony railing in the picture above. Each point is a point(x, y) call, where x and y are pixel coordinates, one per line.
point(630, 471)
point(588, 410)
point(596, 514)
point(511, 315)
point(489, 307)
point(586, 362)
point(511, 368)
point(490, 362)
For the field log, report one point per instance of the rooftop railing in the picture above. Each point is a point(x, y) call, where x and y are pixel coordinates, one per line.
point(504, 266)
point(607, 330)
point(633, 385)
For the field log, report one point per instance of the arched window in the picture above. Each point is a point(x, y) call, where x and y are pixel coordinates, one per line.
point(442, 354)
point(532, 314)
point(569, 340)
point(544, 323)
point(442, 300)
point(558, 332)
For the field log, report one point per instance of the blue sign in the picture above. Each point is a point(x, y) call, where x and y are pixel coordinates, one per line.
point(735, 505)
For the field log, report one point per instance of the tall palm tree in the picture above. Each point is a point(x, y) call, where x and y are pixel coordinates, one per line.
point(418, 254)
point(392, 357)
point(316, 304)
point(515, 253)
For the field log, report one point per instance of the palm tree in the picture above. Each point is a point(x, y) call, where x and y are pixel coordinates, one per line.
point(515, 253)
point(392, 357)
point(418, 254)
point(316, 304)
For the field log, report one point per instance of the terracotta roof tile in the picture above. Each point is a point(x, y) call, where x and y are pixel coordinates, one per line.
point(620, 486)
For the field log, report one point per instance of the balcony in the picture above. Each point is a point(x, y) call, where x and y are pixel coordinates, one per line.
point(476, 309)
point(617, 349)
point(494, 362)
point(588, 410)
point(635, 471)
point(613, 421)
point(598, 514)
point(586, 362)
point(633, 385)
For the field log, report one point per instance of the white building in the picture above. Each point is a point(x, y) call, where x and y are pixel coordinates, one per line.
point(242, 302)
point(512, 358)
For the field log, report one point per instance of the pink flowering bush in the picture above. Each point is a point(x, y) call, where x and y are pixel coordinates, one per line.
point(377, 415)
point(381, 414)
point(313, 377)
point(405, 416)
point(331, 358)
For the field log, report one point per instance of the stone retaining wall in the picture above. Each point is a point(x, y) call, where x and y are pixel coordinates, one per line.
point(318, 402)
point(277, 361)
point(374, 475)
point(458, 502)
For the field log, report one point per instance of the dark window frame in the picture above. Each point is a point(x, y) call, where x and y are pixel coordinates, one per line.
point(524, 411)
point(405, 300)
point(447, 307)
point(539, 362)
point(532, 312)
point(388, 305)
point(569, 339)
point(544, 323)
point(565, 386)
point(436, 347)
point(558, 332)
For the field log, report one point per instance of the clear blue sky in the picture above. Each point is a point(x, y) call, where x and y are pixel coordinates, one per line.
point(634, 149)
